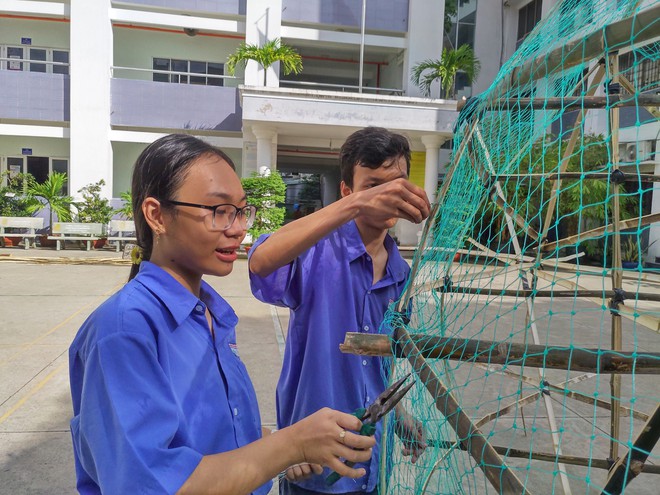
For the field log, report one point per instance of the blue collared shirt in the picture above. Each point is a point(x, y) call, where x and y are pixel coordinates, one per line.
point(329, 290)
point(152, 392)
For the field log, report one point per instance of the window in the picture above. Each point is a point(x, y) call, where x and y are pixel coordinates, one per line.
point(641, 67)
point(40, 167)
point(528, 17)
point(184, 71)
point(34, 59)
point(462, 33)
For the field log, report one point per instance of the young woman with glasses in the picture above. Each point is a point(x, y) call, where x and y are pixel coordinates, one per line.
point(162, 403)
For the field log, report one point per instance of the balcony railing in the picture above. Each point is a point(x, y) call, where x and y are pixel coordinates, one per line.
point(116, 71)
point(6, 63)
point(341, 87)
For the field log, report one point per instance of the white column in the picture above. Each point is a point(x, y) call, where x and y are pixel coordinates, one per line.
point(432, 142)
point(263, 20)
point(425, 21)
point(654, 233)
point(266, 141)
point(90, 59)
point(329, 188)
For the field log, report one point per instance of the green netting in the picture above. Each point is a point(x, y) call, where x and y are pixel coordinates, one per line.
point(519, 274)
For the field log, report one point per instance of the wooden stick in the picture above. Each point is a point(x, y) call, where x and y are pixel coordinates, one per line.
point(628, 467)
point(511, 354)
point(579, 102)
point(543, 456)
point(580, 176)
point(496, 471)
point(594, 233)
point(495, 292)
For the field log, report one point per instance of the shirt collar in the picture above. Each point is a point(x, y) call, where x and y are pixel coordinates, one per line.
point(396, 265)
point(179, 301)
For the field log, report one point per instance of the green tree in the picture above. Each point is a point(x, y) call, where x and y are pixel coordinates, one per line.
point(266, 55)
point(450, 11)
point(13, 200)
point(425, 73)
point(94, 208)
point(267, 193)
point(49, 193)
point(126, 209)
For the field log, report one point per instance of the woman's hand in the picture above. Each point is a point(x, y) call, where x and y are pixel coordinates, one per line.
point(326, 436)
point(299, 472)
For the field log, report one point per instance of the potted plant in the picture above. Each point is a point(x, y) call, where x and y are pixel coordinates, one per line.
point(13, 201)
point(94, 208)
point(126, 210)
point(49, 194)
point(630, 253)
point(265, 192)
point(425, 73)
point(266, 55)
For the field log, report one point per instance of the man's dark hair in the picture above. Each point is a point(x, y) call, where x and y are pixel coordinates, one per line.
point(371, 147)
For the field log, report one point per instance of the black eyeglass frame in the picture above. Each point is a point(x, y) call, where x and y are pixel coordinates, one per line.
point(237, 210)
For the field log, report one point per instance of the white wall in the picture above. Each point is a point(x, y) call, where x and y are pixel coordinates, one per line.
point(425, 31)
point(44, 34)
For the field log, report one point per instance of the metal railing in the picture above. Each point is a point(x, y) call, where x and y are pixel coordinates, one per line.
point(223, 77)
point(342, 87)
point(29, 61)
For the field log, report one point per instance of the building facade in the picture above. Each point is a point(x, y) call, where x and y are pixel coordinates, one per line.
point(87, 84)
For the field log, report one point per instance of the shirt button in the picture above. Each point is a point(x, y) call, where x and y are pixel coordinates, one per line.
point(199, 308)
point(235, 411)
point(366, 328)
point(364, 362)
point(364, 487)
point(368, 292)
point(368, 258)
point(368, 400)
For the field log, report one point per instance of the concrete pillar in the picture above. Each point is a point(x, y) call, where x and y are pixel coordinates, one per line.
point(329, 188)
point(654, 232)
point(266, 146)
point(432, 143)
point(263, 20)
point(425, 19)
point(91, 59)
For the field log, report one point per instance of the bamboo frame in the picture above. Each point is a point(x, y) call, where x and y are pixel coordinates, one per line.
point(509, 353)
point(587, 102)
point(580, 176)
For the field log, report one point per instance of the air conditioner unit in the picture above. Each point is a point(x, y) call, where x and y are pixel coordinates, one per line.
point(641, 151)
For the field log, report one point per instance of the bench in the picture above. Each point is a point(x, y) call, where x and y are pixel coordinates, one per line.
point(118, 230)
point(73, 231)
point(27, 225)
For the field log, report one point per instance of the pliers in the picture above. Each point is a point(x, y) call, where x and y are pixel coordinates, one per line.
point(383, 404)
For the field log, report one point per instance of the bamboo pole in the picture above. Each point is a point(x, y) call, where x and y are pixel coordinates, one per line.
point(509, 353)
point(580, 176)
point(495, 292)
point(628, 467)
point(594, 233)
point(489, 461)
point(617, 333)
point(579, 102)
point(543, 456)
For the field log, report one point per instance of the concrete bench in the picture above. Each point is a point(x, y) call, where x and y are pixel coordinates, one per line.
point(118, 230)
point(26, 225)
point(73, 231)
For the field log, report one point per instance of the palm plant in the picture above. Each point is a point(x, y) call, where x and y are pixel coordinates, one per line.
point(126, 209)
point(266, 55)
point(425, 73)
point(50, 192)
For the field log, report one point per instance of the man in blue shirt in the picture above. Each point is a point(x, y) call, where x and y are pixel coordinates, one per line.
point(338, 270)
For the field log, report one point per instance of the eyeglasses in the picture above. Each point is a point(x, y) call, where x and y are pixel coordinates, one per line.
point(223, 215)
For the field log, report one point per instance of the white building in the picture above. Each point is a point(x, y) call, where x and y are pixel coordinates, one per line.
point(86, 84)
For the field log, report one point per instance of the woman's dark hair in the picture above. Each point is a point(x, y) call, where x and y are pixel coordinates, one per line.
point(159, 172)
point(371, 147)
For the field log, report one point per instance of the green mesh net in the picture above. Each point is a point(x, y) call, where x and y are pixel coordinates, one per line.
point(531, 318)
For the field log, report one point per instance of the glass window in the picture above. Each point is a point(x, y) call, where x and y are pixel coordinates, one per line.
point(528, 17)
point(14, 53)
point(198, 68)
point(61, 166)
point(37, 54)
point(179, 66)
point(61, 56)
point(215, 69)
point(14, 166)
point(161, 64)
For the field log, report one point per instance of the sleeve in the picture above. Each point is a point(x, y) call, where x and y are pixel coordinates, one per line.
point(283, 287)
point(125, 433)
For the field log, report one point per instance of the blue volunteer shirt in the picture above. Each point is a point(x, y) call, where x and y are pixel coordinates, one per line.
point(152, 392)
point(329, 290)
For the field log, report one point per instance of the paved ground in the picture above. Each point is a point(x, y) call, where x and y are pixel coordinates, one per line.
point(41, 307)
